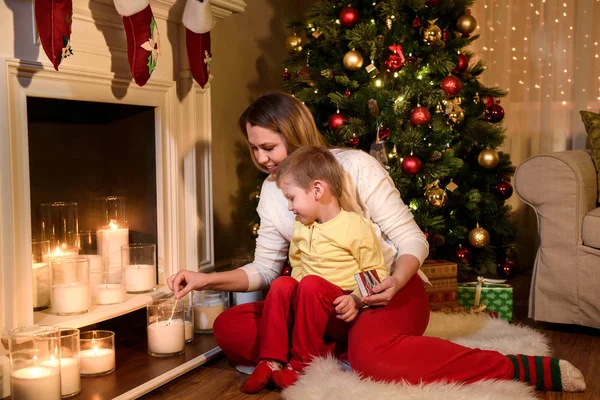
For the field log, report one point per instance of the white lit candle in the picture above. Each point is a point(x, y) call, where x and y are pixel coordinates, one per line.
point(96, 361)
point(109, 293)
point(71, 298)
point(189, 331)
point(140, 278)
point(109, 244)
point(95, 261)
point(33, 383)
point(70, 380)
point(166, 337)
point(59, 253)
point(41, 285)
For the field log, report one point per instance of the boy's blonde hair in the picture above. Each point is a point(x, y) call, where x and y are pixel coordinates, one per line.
point(286, 115)
point(310, 163)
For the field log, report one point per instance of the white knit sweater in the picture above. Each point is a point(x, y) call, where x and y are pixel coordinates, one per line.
point(370, 188)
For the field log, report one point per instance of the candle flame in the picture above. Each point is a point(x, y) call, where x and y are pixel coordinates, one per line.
point(113, 226)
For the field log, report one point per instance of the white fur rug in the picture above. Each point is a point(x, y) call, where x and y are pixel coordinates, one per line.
point(324, 380)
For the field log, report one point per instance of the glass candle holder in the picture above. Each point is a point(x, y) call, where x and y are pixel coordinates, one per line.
point(166, 328)
point(208, 305)
point(107, 287)
point(188, 316)
point(35, 372)
point(70, 380)
point(139, 267)
point(70, 277)
point(113, 229)
point(60, 224)
point(87, 243)
point(41, 274)
point(97, 354)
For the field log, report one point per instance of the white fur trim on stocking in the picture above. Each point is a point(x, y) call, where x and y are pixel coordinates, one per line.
point(127, 8)
point(197, 16)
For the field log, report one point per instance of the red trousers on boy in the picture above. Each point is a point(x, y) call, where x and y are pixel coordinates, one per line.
point(384, 343)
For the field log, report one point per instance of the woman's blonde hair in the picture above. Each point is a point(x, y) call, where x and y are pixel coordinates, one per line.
point(310, 163)
point(286, 115)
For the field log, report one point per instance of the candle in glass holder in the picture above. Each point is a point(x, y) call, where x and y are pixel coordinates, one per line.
point(95, 261)
point(208, 305)
point(109, 293)
point(36, 382)
point(110, 241)
point(140, 278)
point(41, 285)
point(4, 376)
point(188, 315)
point(97, 355)
point(166, 337)
point(71, 298)
point(70, 380)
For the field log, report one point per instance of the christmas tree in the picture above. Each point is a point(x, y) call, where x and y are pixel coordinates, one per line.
point(396, 79)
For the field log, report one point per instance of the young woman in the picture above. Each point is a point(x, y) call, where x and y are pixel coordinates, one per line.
point(382, 338)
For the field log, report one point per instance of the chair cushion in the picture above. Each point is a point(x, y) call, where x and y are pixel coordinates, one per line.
point(592, 127)
point(590, 232)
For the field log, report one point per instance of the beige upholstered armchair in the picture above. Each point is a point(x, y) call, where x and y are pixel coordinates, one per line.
point(562, 189)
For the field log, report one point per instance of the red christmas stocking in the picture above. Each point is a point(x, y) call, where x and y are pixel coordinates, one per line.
point(53, 20)
point(143, 45)
point(198, 21)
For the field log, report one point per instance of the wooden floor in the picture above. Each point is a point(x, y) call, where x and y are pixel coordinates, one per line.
point(581, 346)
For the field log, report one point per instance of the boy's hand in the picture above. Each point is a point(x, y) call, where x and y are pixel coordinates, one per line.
point(346, 307)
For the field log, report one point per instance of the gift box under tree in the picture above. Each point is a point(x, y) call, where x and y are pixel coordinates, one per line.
point(488, 296)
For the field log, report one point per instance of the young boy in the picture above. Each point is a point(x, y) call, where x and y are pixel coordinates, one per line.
point(329, 245)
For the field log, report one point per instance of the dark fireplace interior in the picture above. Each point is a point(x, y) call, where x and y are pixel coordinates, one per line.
point(81, 150)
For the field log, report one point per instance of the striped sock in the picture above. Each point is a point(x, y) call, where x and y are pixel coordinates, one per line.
point(547, 373)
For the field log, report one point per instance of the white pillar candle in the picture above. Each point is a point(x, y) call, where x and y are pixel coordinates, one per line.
point(35, 383)
point(140, 278)
point(59, 253)
point(166, 337)
point(41, 285)
point(70, 380)
point(71, 298)
point(95, 261)
point(189, 331)
point(4, 377)
point(96, 361)
point(109, 293)
point(205, 315)
point(109, 244)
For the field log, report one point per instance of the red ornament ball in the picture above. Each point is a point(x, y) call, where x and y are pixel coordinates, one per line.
point(420, 116)
point(464, 255)
point(504, 190)
point(507, 270)
point(416, 22)
point(354, 140)
point(286, 75)
point(433, 3)
point(488, 101)
point(384, 133)
point(287, 270)
point(463, 64)
point(411, 165)
point(451, 85)
point(394, 62)
point(348, 17)
point(347, 93)
point(495, 113)
point(337, 120)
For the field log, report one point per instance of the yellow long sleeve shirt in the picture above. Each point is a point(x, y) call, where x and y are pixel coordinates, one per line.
point(336, 250)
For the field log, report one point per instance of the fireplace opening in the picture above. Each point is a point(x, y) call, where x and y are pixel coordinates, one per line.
point(81, 151)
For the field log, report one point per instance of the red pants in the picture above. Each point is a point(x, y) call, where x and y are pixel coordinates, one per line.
point(384, 343)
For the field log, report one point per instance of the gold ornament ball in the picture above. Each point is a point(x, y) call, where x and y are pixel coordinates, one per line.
point(353, 60)
point(457, 116)
point(488, 158)
point(437, 197)
point(253, 228)
point(293, 44)
point(466, 24)
point(432, 33)
point(479, 237)
point(254, 196)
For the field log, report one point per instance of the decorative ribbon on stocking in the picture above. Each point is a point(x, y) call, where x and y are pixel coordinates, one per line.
point(143, 43)
point(198, 21)
point(53, 20)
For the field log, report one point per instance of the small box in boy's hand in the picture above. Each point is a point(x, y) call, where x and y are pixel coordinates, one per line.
point(366, 280)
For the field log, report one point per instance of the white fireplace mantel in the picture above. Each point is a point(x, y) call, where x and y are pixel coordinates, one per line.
point(98, 72)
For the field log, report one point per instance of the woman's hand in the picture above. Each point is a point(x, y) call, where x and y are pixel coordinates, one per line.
point(384, 292)
point(185, 281)
point(346, 307)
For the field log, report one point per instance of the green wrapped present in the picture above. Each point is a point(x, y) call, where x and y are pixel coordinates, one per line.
point(491, 295)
